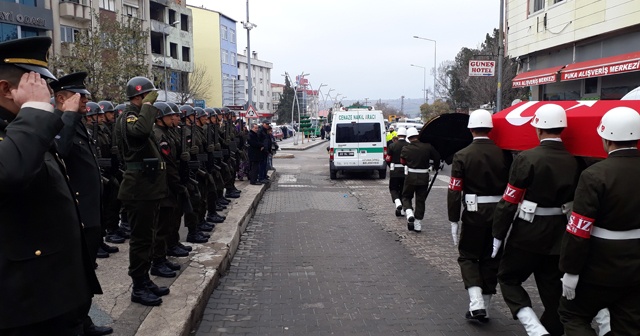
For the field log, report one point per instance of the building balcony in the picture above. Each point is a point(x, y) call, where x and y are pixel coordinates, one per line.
point(73, 9)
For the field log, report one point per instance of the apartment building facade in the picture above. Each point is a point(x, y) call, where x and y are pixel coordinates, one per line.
point(24, 18)
point(261, 82)
point(574, 49)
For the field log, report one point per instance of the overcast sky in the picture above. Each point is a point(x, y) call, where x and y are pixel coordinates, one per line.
point(359, 48)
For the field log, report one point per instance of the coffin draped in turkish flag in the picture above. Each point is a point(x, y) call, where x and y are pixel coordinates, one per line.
point(512, 128)
point(447, 133)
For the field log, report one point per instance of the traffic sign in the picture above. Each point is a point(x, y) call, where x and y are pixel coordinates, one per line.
point(251, 112)
point(199, 103)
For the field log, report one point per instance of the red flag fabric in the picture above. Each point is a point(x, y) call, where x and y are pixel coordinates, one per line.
point(512, 128)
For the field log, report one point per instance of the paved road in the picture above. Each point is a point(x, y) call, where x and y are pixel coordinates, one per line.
point(325, 257)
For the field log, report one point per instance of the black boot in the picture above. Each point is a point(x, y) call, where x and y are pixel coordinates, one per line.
point(223, 201)
point(177, 251)
point(109, 249)
point(94, 330)
point(159, 268)
point(220, 207)
point(206, 227)
point(213, 217)
point(142, 294)
point(173, 266)
point(195, 237)
point(102, 253)
point(185, 247)
point(114, 238)
point(231, 195)
point(155, 289)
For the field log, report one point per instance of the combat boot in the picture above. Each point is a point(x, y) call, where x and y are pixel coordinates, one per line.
point(195, 237)
point(159, 268)
point(114, 238)
point(231, 195)
point(477, 308)
point(102, 253)
point(531, 323)
point(155, 289)
point(177, 251)
point(417, 225)
point(142, 294)
point(214, 218)
point(171, 265)
point(206, 227)
point(185, 247)
point(109, 249)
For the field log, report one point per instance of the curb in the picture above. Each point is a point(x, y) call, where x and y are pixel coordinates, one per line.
point(183, 308)
point(303, 148)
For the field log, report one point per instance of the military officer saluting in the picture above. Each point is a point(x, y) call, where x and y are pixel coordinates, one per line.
point(416, 156)
point(600, 257)
point(143, 185)
point(541, 185)
point(396, 171)
point(46, 271)
point(478, 177)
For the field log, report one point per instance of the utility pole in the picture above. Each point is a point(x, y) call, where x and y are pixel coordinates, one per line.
point(500, 57)
point(248, 26)
point(402, 105)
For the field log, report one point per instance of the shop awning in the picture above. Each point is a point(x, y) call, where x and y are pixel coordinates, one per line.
point(602, 67)
point(512, 128)
point(536, 77)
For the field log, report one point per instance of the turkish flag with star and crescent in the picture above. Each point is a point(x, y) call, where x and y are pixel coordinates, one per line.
point(512, 128)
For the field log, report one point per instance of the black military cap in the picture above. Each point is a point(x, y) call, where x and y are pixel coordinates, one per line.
point(73, 82)
point(29, 53)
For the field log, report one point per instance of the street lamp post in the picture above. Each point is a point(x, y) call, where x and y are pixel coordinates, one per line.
point(424, 84)
point(435, 48)
point(164, 55)
point(248, 26)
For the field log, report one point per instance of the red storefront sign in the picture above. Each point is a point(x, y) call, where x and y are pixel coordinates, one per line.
point(602, 67)
point(536, 77)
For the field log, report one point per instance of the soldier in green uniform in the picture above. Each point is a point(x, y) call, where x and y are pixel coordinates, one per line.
point(415, 157)
point(166, 121)
point(541, 186)
point(143, 186)
point(215, 170)
point(600, 257)
point(215, 120)
point(396, 171)
point(479, 175)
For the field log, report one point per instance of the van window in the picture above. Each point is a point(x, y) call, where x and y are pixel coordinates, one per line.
point(358, 132)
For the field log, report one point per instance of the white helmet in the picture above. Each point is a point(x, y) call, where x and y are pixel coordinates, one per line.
point(391, 128)
point(402, 131)
point(633, 95)
point(412, 131)
point(550, 116)
point(480, 119)
point(620, 124)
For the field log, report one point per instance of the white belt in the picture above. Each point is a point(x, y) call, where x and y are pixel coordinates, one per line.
point(615, 235)
point(419, 171)
point(548, 211)
point(489, 199)
point(397, 165)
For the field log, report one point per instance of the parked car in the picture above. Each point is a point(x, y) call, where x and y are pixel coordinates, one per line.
point(277, 133)
point(288, 131)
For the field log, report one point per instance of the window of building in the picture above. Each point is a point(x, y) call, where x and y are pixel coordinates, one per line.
point(8, 32)
point(223, 33)
point(184, 22)
point(262, 92)
point(261, 106)
point(156, 43)
point(31, 3)
point(591, 85)
point(557, 1)
point(67, 34)
point(232, 59)
point(172, 16)
point(156, 11)
point(536, 5)
point(28, 32)
point(130, 11)
point(268, 104)
point(186, 54)
point(225, 57)
point(173, 50)
point(232, 35)
point(108, 5)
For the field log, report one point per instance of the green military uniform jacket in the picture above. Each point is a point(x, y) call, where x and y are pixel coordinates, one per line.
point(136, 141)
point(482, 169)
point(417, 155)
point(607, 198)
point(547, 175)
point(168, 143)
point(393, 156)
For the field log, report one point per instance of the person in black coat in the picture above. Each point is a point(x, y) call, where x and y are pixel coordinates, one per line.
point(256, 153)
point(46, 272)
point(77, 149)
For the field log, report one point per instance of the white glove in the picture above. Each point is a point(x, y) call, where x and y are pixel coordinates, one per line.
point(569, 284)
point(454, 233)
point(496, 246)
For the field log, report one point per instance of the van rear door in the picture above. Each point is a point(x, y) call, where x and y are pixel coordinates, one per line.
point(346, 148)
point(370, 140)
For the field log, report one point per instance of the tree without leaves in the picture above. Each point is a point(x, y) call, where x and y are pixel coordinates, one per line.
point(386, 109)
point(112, 52)
point(196, 88)
point(430, 111)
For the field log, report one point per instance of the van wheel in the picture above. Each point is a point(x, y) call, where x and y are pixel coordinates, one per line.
point(382, 173)
point(333, 174)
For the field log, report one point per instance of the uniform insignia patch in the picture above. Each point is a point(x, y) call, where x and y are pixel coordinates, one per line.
point(1, 138)
point(455, 184)
point(580, 225)
point(132, 118)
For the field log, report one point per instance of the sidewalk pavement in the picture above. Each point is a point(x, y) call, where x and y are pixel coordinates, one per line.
point(190, 290)
point(308, 143)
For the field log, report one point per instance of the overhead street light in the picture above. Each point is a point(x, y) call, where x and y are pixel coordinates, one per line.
point(435, 48)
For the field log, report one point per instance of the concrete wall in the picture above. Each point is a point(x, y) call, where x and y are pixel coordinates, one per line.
point(206, 43)
point(564, 22)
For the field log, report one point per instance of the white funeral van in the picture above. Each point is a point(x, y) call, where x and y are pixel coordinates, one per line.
point(357, 141)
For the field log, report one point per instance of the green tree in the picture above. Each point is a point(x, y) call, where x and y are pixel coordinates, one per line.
point(111, 52)
point(286, 100)
point(430, 111)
